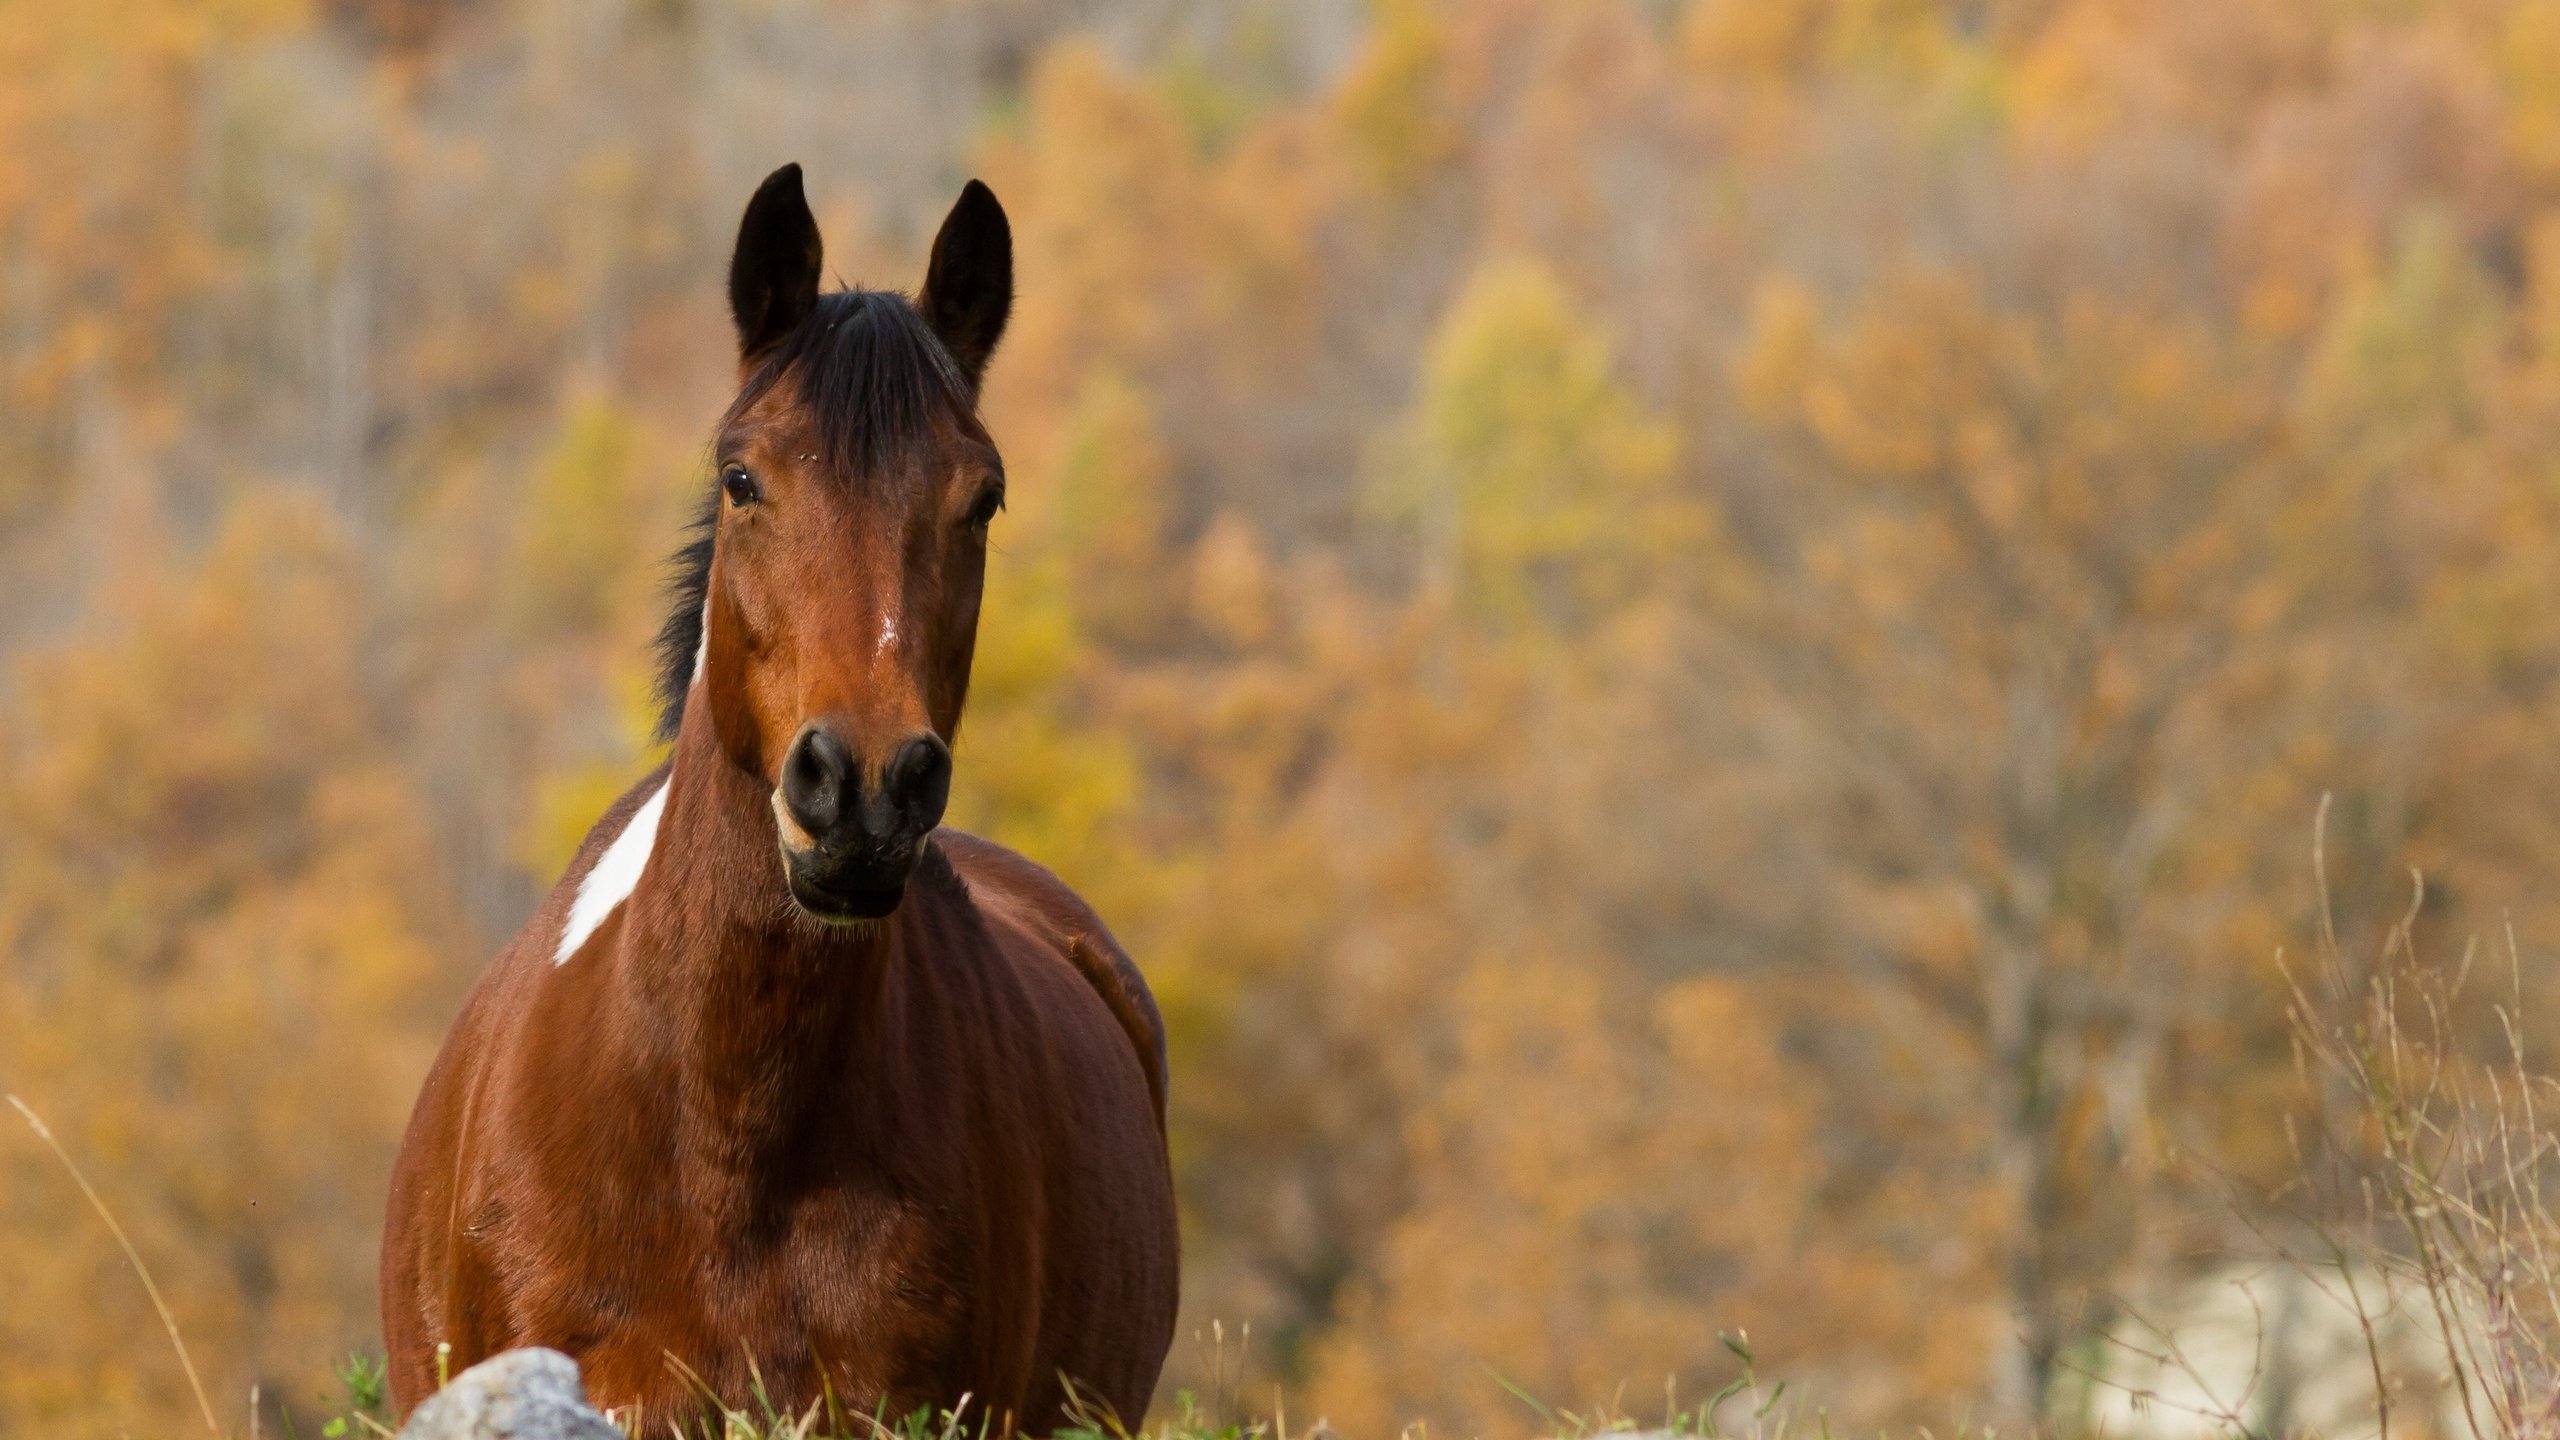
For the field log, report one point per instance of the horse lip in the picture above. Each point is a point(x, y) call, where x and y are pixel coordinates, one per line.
point(845, 907)
point(820, 890)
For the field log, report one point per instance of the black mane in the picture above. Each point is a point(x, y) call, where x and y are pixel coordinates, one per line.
point(873, 377)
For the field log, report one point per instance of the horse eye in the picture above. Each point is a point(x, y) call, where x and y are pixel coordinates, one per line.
point(740, 486)
point(983, 513)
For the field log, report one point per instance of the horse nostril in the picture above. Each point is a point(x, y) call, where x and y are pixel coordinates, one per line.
point(815, 778)
point(918, 781)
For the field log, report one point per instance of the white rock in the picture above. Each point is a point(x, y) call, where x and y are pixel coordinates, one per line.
point(520, 1395)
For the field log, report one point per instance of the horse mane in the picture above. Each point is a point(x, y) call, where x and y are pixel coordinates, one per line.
point(873, 377)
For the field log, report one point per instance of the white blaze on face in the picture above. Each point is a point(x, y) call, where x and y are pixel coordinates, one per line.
point(888, 634)
point(702, 647)
point(615, 876)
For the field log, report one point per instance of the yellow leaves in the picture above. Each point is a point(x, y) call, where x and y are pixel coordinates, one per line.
point(1910, 37)
point(1935, 926)
point(566, 805)
point(2023, 445)
point(1052, 788)
point(2062, 97)
point(1102, 191)
point(2542, 289)
point(1135, 246)
point(1537, 482)
point(236, 675)
point(1780, 349)
point(2529, 59)
point(1072, 560)
point(2402, 350)
point(581, 511)
point(1392, 106)
point(190, 746)
point(567, 802)
point(96, 100)
point(577, 597)
point(1759, 39)
point(1213, 109)
point(216, 885)
point(1894, 395)
point(1765, 40)
point(1233, 590)
point(1111, 510)
point(1857, 548)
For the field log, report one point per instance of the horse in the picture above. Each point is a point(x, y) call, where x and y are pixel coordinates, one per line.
point(787, 1093)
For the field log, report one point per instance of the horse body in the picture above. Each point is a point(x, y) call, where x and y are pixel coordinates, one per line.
point(890, 1166)
point(714, 1142)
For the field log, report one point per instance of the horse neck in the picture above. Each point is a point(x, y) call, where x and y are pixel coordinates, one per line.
point(762, 1009)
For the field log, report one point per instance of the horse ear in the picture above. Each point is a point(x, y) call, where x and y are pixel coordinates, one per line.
point(968, 288)
point(773, 276)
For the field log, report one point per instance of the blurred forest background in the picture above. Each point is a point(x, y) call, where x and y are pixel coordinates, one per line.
point(1695, 641)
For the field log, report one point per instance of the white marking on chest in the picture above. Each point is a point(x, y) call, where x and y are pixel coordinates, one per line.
point(616, 874)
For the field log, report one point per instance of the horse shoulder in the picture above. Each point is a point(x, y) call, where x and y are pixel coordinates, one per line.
point(613, 843)
point(506, 990)
point(516, 998)
point(441, 1181)
point(1011, 887)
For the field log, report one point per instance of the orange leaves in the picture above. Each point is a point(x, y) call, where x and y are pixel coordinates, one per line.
point(1105, 186)
point(1692, 645)
point(1616, 1154)
point(2529, 57)
point(216, 885)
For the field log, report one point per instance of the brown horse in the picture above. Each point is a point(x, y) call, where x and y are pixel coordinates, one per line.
point(784, 1086)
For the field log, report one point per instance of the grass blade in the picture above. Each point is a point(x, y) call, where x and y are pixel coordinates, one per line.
point(167, 1320)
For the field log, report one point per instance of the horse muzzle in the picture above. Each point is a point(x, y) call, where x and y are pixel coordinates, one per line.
point(849, 847)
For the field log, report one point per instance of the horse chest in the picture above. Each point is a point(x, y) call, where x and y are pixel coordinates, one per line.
point(841, 1290)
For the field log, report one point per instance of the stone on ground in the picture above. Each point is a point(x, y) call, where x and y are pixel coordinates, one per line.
point(519, 1395)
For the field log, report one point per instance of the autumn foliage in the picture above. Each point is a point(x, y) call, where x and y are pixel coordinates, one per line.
point(1694, 641)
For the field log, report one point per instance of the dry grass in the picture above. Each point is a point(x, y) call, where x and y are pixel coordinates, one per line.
point(2420, 1217)
point(2439, 1159)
